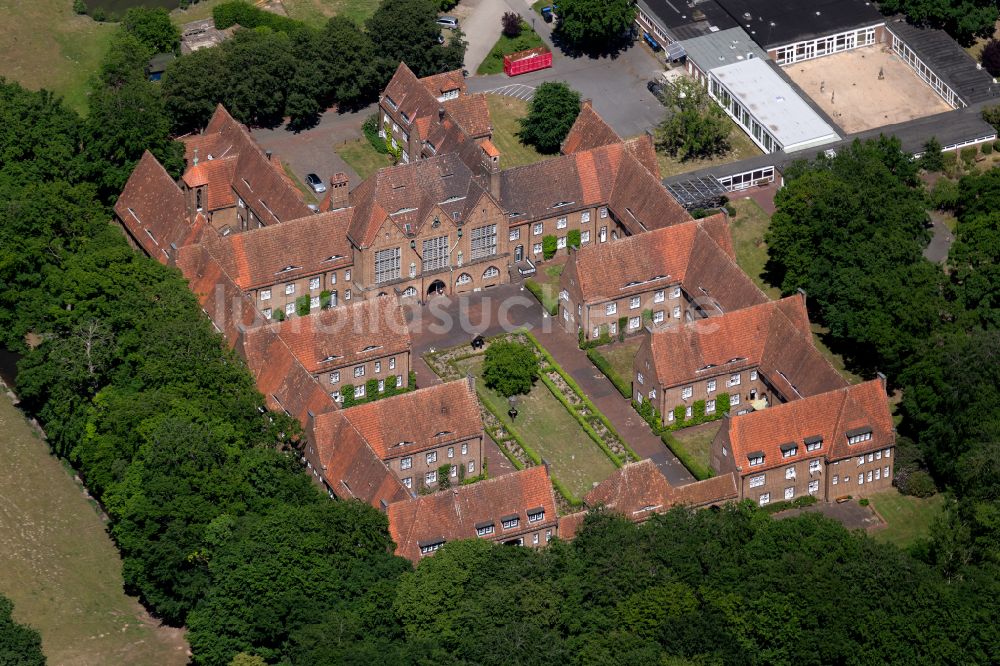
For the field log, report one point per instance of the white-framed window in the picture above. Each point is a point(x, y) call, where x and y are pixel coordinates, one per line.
point(347, 275)
point(548, 535)
point(405, 463)
point(677, 312)
point(710, 386)
point(267, 313)
point(431, 457)
point(561, 223)
point(347, 294)
point(836, 479)
point(885, 471)
point(639, 378)
point(313, 302)
point(857, 439)
point(561, 243)
point(289, 309)
point(861, 478)
point(335, 377)
point(537, 516)
point(381, 385)
point(658, 296)
point(536, 248)
point(756, 460)
point(734, 379)
point(869, 476)
point(471, 467)
point(408, 482)
point(676, 293)
point(485, 530)
point(464, 278)
point(538, 229)
point(789, 473)
point(764, 499)
point(861, 460)
point(409, 292)
point(604, 213)
point(753, 375)
point(878, 455)
point(265, 294)
point(888, 452)
point(431, 477)
point(789, 493)
point(431, 547)
point(658, 317)
point(734, 399)
point(392, 363)
point(413, 269)
point(387, 265)
point(670, 415)
point(604, 234)
point(534, 539)
point(688, 411)
point(333, 277)
point(584, 237)
point(585, 217)
point(878, 474)
point(451, 451)
point(871, 457)
point(687, 392)
point(465, 449)
point(454, 471)
point(514, 234)
point(484, 241)
point(510, 523)
point(359, 391)
point(813, 487)
point(289, 288)
point(789, 452)
point(634, 302)
point(610, 308)
point(313, 283)
point(491, 272)
point(399, 380)
point(710, 406)
point(634, 322)
point(756, 481)
point(815, 445)
point(435, 253)
point(814, 466)
point(652, 394)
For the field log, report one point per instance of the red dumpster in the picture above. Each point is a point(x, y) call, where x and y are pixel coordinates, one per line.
point(527, 61)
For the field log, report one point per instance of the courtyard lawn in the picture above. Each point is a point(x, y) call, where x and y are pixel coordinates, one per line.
point(621, 356)
point(362, 157)
point(504, 114)
point(43, 44)
point(493, 63)
point(697, 441)
point(307, 192)
point(908, 519)
point(741, 147)
point(60, 568)
point(543, 422)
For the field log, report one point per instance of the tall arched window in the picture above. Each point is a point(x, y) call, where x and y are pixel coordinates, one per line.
point(491, 272)
point(464, 278)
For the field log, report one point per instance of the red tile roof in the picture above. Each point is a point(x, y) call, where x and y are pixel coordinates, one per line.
point(638, 490)
point(307, 246)
point(774, 336)
point(454, 514)
point(645, 151)
point(347, 334)
point(220, 298)
point(153, 210)
point(471, 113)
point(829, 415)
point(588, 131)
point(418, 420)
point(439, 84)
point(571, 524)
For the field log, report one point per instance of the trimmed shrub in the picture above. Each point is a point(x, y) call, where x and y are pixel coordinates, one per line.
point(510, 368)
point(370, 130)
point(604, 366)
point(347, 393)
point(549, 247)
point(302, 305)
point(573, 238)
point(536, 289)
point(917, 483)
point(987, 148)
point(622, 324)
point(324, 302)
point(279, 315)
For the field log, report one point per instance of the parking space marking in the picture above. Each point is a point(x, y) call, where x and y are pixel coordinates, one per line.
point(518, 90)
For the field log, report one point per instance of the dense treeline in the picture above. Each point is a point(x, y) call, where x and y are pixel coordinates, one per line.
point(19, 645)
point(277, 67)
point(962, 19)
point(851, 231)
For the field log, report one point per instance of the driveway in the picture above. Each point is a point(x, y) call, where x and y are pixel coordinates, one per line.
point(480, 21)
point(941, 240)
point(446, 322)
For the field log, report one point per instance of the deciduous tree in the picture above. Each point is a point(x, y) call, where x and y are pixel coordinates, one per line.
point(595, 26)
point(553, 111)
point(694, 126)
point(510, 367)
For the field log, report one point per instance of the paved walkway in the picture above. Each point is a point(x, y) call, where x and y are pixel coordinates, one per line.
point(447, 322)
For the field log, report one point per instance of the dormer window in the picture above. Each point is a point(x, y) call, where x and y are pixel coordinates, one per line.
point(858, 435)
point(485, 528)
point(390, 102)
point(814, 443)
point(370, 348)
point(536, 515)
point(287, 269)
point(442, 433)
point(328, 359)
point(789, 450)
point(756, 458)
point(560, 204)
point(428, 547)
point(333, 257)
point(510, 522)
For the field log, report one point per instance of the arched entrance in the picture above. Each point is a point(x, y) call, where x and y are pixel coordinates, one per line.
point(436, 289)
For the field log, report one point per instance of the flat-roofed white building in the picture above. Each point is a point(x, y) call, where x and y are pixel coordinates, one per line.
point(754, 95)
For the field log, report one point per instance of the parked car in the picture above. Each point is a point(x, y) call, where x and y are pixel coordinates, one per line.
point(449, 22)
point(657, 89)
point(316, 183)
point(547, 14)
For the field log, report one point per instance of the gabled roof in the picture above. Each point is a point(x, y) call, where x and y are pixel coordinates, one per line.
point(285, 252)
point(406, 194)
point(409, 96)
point(349, 466)
point(420, 419)
point(220, 298)
point(686, 254)
point(262, 185)
point(639, 489)
point(439, 84)
point(153, 210)
point(345, 335)
point(774, 336)
point(588, 131)
point(471, 113)
point(217, 177)
point(829, 415)
point(454, 514)
point(644, 149)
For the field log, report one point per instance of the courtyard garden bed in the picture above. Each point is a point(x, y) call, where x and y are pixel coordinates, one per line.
point(556, 423)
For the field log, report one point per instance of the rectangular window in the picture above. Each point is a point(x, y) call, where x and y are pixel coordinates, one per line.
point(408, 482)
point(539, 228)
point(289, 289)
point(561, 243)
point(709, 406)
point(814, 466)
point(789, 473)
point(836, 479)
point(347, 275)
point(405, 463)
point(484, 530)
point(871, 457)
point(789, 493)
point(710, 386)
point(536, 517)
point(381, 385)
point(813, 487)
point(472, 467)
point(888, 452)
point(611, 308)
point(435, 253)
point(789, 452)
point(267, 313)
point(634, 302)
point(753, 375)
point(658, 296)
point(585, 216)
point(734, 399)
point(378, 366)
point(604, 213)
point(335, 376)
point(454, 471)
point(431, 457)
point(756, 481)
point(639, 378)
point(670, 415)
point(514, 234)
point(861, 478)
point(534, 539)
point(359, 391)
point(484, 241)
point(548, 535)
point(289, 309)
point(677, 312)
point(265, 294)
point(314, 283)
point(347, 294)
point(584, 237)
point(658, 317)
point(451, 451)
point(734, 380)
point(511, 523)
point(861, 460)
point(359, 371)
point(878, 455)
point(764, 499)
point(561, 223)
point(687, 392)
point(815, 445)
point(885, 471)
point(431, 477)
point(869, 476)
point(536, 248)
point(392, 363)
point(634, 322)
point(878, 474)
point(333, 278)
point(387, 263)
point(676, 293)
point(313, 302)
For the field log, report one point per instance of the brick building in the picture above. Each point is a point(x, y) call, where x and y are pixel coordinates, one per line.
point(517, 509)
point(828, 445)
point(757, 356)
point(350, 345)
point(673, 274)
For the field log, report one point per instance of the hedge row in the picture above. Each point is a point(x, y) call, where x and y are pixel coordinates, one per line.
point(697, 470)
point(604, 366)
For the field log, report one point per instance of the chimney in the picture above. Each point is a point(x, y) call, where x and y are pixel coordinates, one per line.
point(882, 378)
point(585, 104)
point(339, 191)
point(802, 292)
point(440, 113)
point(267, 153)
point(491, 166)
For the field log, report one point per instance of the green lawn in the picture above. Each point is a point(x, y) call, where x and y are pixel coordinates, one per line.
point(362, 157)
point(908, 519)
point(741, 147)
point(504, 114)
point(550, 430)
point(318, 12)
point(60, 567)
point(43, 44)
point(697, 441)
point(493, 63)
point(307, 192)
point(621, 356)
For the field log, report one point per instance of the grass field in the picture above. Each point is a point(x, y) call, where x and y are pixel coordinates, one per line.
point(61, 569)
point(621, 356)
point(697, 441)
point(43, 44)
point(493, 63)
point(362, 157)
point(318, 12)
point(908, 519)
point(741, 147)
point(552, 431)
point(504, 114)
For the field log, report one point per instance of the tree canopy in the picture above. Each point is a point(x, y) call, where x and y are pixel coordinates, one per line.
point(962, 19)
point(595, 26)
point(153, 28)
point(694, 125)
point(553, 111)
point(510, 368)
point(19, 645)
